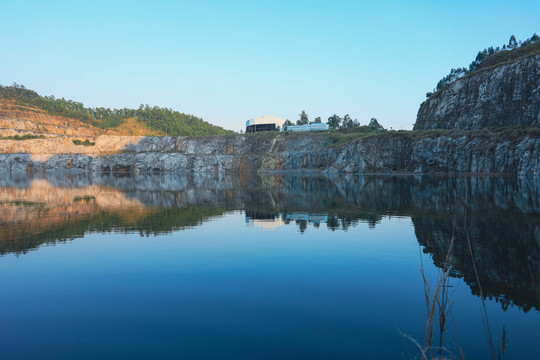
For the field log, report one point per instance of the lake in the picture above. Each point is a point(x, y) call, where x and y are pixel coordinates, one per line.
point(265, 266)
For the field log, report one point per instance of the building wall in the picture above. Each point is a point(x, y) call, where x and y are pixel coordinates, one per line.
point(260, 127)
point(309, 127)
point(264, 123)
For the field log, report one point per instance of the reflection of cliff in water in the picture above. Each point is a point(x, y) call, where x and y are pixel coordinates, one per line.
point(506, 252)
point(500, 218)
point(500, 215)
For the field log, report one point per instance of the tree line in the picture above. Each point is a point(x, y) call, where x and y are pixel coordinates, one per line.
point(335, 122)
point(171, 122)
point(480, 60)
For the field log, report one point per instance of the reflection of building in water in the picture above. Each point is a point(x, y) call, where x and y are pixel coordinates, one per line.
point(273, 220)
point(268, 221)
point(313, 218)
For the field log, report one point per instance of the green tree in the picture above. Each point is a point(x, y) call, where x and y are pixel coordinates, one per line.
point(512, 43)
point(317, 120)
point(304, 120)
point(347, 122)
point(374, 124)
point(334, 121)
point(286, 124)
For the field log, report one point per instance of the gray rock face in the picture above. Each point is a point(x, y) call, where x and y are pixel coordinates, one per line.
point(508, 95)
point(387, 153)
point(477, 155)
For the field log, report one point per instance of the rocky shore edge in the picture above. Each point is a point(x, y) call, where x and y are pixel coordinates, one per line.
point(390, 152)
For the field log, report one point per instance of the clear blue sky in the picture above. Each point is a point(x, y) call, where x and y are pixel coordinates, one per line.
point(228, 61)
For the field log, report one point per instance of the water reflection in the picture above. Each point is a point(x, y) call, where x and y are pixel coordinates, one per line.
point(500, 216)
point(269, 221)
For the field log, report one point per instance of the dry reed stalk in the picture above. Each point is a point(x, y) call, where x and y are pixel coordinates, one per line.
point(501, 347)
point(440, 303)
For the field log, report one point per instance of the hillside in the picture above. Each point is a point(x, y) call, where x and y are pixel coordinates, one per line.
point(502, 90)
point(490, 58)
point(20, 119)
point(23, 111)
point(505, 57)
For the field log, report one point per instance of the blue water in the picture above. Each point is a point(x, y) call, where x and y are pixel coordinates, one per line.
point(225, 276)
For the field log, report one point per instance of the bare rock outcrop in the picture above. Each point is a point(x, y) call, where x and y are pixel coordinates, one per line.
point(391, 152)
point(507, 95)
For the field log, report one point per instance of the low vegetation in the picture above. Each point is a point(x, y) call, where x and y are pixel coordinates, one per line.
point(84, 143)
point(22, 137)
point(491, 57)
point(168, 121)
point(84, 199)
point(341, 138)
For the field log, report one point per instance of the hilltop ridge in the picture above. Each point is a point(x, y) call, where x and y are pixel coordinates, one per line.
point(24, 111)
point(21, 119)
point(501, 90)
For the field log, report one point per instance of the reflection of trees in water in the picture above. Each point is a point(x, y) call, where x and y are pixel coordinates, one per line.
point(20, 238)
point(344, 221)
point(506, 251)
point(502, 214)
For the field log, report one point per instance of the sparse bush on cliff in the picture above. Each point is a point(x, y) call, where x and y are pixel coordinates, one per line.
point(84, 143)
point(22, 137)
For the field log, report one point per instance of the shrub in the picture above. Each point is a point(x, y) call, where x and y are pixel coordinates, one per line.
point(23, 137)
point(84, 143)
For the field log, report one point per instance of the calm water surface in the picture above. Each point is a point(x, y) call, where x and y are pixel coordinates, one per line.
point(262, 267)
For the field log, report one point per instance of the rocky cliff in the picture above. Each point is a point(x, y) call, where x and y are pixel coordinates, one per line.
point(390, 152)
point(507, 95)
point(502, 101)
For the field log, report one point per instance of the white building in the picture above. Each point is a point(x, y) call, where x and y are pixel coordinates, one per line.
point(264, 123)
